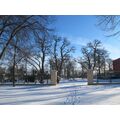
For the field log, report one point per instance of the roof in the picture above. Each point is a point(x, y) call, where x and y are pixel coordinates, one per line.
point(116, 59)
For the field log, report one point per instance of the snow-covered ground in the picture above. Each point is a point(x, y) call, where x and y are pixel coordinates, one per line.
point(67, 92)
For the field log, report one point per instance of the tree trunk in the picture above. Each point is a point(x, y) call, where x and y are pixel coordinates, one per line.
point(14, 62)
point(13, 74)
point(99, 71)
point(26, 70)
point(14, 57)
point(42, 69)
point(104, 70)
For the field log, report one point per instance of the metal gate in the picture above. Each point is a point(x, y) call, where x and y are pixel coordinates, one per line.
point(106, 78)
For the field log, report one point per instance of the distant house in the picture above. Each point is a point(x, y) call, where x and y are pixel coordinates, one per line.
point(116, 65)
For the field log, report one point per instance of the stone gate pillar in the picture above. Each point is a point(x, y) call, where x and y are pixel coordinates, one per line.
point(54, 77)
point(90, 76)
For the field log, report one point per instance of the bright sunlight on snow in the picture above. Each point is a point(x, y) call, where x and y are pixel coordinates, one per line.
point(65, 93)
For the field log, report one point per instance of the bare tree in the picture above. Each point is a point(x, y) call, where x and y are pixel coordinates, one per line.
point(110, 24)
point(87, 54)
point(102, 56)
point(69, 68)
point(43, 48)
point(94, 48)
point(61, 53)
point(10, 26)
point(94, 54)
point(110, 63)
point(17, 35)
point(83, 65)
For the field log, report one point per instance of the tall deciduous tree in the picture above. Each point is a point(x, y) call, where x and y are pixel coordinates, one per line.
point(18, 33)
point(10, 26)
point(43, 49)
point(94, 55)
point(61, 52)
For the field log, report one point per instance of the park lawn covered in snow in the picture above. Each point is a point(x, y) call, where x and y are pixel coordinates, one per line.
point(65, 93)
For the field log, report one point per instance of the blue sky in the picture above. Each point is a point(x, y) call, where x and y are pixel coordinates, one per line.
point(81, 29)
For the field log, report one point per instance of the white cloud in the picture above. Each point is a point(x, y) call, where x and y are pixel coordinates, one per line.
point(113, 49)
point(79, 41)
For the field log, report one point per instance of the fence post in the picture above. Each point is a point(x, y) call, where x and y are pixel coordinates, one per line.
point(90, 76)
point(53, 77)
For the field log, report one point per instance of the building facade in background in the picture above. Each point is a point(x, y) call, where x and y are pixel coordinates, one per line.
point(116, 65)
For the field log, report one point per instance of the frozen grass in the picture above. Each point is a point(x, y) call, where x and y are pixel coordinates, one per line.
point(67, 92)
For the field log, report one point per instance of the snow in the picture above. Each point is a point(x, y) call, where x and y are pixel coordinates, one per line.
point(67, 92)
